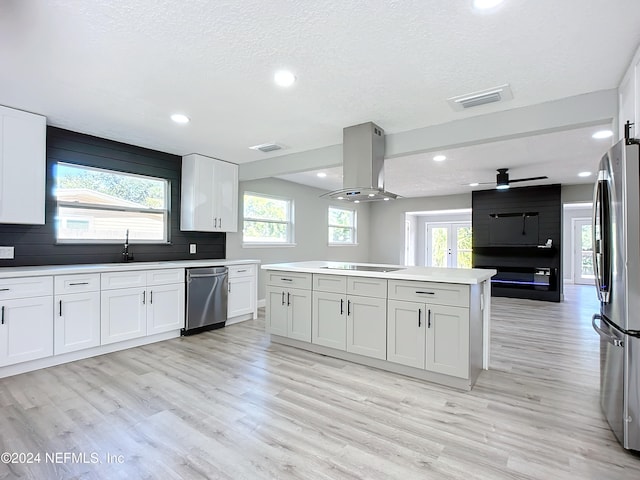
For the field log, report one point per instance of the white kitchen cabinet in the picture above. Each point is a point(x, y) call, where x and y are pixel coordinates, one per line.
point(344, 321)
point(76, 323)
point(242, 290)
point(26, 329)
point(23, 166)
point(209, 198)
point(329, 320)
point(430, 336)
point(145, 303)
point(406, 338)
point(288, 312)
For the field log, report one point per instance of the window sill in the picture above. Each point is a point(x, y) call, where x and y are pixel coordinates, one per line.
point(342, 244)
point(269, 245)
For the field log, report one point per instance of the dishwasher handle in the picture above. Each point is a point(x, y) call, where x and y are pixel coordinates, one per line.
point(207, 275)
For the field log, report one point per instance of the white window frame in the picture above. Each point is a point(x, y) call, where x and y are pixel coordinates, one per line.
point(92, 206)
point(353, 228)
point(290, 242)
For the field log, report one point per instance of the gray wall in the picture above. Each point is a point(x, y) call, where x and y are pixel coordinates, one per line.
point(311, 230)
point(387, 223)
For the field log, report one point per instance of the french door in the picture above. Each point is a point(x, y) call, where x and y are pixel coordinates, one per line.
point(583, 251)
point(448, 245)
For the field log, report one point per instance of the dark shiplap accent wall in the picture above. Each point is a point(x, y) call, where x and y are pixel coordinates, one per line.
point(36, 244)
point(546, 200)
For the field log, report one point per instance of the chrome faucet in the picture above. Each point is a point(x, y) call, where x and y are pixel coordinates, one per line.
point(126, 256)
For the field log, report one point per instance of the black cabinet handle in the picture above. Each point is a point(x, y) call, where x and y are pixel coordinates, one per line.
point(341, 306)
point(151, 297)
point(419, 317)
point(282, 298)
point(348, 307)
point(287, 279)
point(144, 296)
point(288, 299)
point(429, 319)
point(60, 309)
point(3, 315)
point(240, 271)
point(79, 283)
point(4, 289)
point(229, 287)
point(425, 293)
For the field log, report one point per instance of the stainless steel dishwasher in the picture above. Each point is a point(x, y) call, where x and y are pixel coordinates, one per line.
point(207, 291)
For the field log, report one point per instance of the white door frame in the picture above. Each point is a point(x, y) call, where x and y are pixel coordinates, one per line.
point(452, 244)
point(576, 251)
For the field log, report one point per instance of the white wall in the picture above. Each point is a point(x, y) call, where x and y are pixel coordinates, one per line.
point(311, 230)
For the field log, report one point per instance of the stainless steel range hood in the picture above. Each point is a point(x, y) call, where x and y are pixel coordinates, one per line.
point(362, 165)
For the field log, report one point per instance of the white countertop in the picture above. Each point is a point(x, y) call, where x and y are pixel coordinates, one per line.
point(467, 276)
point(12, 272)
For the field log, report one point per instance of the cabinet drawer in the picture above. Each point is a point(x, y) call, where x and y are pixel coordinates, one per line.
point(76, 283)
point(113, 280)
point(329, 283)
point(430, 292)
point(241, 271)
point(367, 287)
point(165, 277)
point(289, 279)
point(24, 287)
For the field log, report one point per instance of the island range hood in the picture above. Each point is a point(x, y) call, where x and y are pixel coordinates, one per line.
point(362, 165)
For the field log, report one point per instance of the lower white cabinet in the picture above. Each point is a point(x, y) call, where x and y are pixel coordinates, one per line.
point(329, 320)
point(153, 302)
point(241, 290)
point(26, 329)
point(367, 326)
point(76, 315)
point(289, 312)
point(434, 337)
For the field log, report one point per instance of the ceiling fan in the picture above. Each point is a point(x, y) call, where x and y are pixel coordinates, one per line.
point(502, 179)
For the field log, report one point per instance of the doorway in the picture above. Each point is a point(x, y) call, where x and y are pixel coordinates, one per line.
point(448, 245)
point(582, 251)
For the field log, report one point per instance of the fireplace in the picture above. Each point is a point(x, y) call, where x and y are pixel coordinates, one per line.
point(526, 278)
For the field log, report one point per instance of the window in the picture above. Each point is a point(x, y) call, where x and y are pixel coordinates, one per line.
point(99, 206)
point(267, 220)
point(342, 226)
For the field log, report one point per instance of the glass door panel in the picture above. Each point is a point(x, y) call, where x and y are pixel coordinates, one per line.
point(583, 272)
point(448, 245)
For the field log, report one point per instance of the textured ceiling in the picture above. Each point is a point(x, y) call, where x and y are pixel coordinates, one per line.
point(118, 69)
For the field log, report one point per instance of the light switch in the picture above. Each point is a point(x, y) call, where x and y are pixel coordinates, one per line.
point(6, 252)
point(192, 248)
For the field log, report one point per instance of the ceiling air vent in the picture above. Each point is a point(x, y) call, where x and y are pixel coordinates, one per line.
point(491, 95)
point(267, 147)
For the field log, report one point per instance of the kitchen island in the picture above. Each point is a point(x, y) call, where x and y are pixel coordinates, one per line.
point(428, 323)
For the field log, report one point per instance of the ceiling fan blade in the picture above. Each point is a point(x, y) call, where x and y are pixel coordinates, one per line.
point(527, 179)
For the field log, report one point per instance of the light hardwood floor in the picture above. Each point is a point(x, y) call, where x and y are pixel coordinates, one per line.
point(228, 404)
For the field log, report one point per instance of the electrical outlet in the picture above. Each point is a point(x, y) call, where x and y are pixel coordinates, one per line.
point(192, 248)
point(6, 252)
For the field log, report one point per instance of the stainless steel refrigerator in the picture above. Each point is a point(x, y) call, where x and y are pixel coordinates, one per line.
point(616, 234)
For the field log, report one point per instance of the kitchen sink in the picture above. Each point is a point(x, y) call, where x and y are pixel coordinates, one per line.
point(363, 268)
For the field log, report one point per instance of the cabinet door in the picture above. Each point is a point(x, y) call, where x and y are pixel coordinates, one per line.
point(299, 320)
point(448, 340)
point(225, 194)
point(242, 293)
point(26, 332)
point(76, 322)
point(276, 312)
point(23, 167)
point(406, 325)
point(196, 206)
point(123, 314)
point(367, 326)
point(329, 326)
point(165, 308)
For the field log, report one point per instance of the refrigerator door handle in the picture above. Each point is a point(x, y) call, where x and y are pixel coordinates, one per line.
point(616, 342)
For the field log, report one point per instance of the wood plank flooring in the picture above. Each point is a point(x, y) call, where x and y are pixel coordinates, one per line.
point(228, 404)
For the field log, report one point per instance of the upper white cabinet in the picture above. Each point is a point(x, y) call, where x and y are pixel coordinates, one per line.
point(209, 200)
point(23, 166)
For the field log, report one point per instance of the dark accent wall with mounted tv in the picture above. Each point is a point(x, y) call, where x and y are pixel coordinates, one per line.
point(518, 232)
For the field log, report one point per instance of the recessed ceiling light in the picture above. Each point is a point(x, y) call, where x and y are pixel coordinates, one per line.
point(602, 134)
point(372, 194)
point(386, 199)
point(439, 158)
point(284, 78)
point(486, 4)
point(340, 198)
point(584, 174)
point(180, 118)
point(321, 174)
point(474, 184)
point(356, 201)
